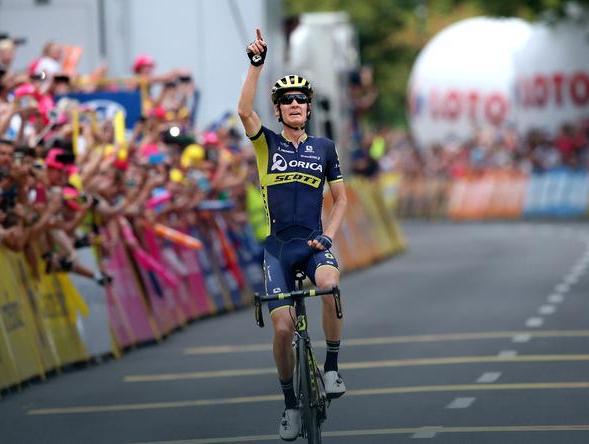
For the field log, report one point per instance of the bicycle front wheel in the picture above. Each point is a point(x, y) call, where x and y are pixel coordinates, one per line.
point(308, 395)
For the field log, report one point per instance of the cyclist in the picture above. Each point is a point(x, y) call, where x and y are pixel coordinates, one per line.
point(293, 167)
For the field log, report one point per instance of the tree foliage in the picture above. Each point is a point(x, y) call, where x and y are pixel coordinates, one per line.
point(392, 32)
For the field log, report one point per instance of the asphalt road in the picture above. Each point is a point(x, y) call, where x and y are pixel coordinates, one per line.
point(479, 333)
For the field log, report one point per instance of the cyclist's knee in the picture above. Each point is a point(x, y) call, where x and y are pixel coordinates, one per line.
point(327, 282)
point(283, 325)
point(326, 277)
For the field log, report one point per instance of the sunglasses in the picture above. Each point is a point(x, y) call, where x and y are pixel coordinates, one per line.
point(287, 99)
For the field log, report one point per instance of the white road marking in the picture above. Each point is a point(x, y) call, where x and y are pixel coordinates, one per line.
point(562, 288)
point(521, 338)
point(427, 432)
point(507, 353)
point(460, 403)
point(571, 279)
point(534, 322)
point(556, 298)
point(489, 377)
point(547, 309)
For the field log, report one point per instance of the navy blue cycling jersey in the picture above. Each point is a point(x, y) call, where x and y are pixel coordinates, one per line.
point(292, 179)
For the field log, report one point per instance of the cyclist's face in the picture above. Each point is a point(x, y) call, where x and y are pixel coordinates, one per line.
point(295, 112)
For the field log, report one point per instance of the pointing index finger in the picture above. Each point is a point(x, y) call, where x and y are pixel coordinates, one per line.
point(259, 34)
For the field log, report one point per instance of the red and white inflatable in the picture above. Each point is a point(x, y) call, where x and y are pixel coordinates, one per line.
point(552, 77)
point(463, 79)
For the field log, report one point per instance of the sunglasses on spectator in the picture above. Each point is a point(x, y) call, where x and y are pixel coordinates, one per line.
point(287, 99)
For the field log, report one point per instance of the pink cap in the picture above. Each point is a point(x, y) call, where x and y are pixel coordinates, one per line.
point(211, 138)
point(26, 89)
point(51, 159)
point(148, 149)
point(142, 61)
point(159, 112)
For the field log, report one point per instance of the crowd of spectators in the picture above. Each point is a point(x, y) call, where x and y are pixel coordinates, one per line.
point(490, 149)
point(66, 170)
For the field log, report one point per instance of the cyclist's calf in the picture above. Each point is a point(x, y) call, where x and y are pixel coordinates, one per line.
point(282, 344)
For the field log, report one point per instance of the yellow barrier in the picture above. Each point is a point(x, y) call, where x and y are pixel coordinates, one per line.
point(369, 231)
point(16, 323)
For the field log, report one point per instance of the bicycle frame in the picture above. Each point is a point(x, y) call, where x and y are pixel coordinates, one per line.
point(311, 395)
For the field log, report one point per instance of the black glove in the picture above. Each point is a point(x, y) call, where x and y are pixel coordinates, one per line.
point(256, 59)
point(325, 241)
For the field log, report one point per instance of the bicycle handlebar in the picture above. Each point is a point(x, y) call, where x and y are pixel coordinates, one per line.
point(297, 294)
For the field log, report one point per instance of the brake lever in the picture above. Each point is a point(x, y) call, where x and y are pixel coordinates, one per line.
point(338, 303)
point(258, 310)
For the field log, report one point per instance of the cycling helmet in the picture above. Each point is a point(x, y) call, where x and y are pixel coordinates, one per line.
point(291, 82)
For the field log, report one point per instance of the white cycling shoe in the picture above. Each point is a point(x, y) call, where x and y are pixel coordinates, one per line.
point(290, 424)
point(334, 384)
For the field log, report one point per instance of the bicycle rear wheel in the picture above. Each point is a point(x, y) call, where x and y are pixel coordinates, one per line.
point(308, 395)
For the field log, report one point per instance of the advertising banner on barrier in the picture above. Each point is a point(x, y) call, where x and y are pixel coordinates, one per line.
point(211, 272)
point(343, 239)
point(16, 322)
point(228, 280)
point(185, 302)
point(126, 294)
point(94, 328)
point(58, 309)
point(249, 254)
point(29, 287)
point(161, 296)
point(383, 245)
point(560, 193)
point(508, 195)
point(196, 282)
point(228, 259)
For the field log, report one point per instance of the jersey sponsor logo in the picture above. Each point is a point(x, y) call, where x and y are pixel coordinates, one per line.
point(276, 290)
point(279, 163)
point(279, 178)
point(282, 150)
point(308, 156)
point(309, 149)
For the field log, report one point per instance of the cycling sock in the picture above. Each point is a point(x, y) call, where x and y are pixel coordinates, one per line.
point(331, 356)
point(290, 400)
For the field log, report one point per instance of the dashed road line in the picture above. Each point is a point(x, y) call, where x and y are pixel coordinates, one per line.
point(556, 298)
point(546, 309)
point(534, 322)
point(427, 432)
point(522, 338)
point(461, 403)
point(507, 353)
point(562, 288)
point(571, 279)
point(489, 377)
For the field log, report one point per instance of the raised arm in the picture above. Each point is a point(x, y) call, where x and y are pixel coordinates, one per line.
point(256, 51)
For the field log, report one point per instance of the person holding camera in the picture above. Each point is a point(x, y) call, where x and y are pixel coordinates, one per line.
point(293, 168)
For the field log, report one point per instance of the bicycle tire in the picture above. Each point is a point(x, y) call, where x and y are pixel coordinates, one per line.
point(310, 408)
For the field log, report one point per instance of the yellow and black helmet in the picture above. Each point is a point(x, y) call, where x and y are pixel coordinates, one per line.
point(292, 82)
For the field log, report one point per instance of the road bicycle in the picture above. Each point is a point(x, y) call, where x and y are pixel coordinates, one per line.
point(309, 383)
